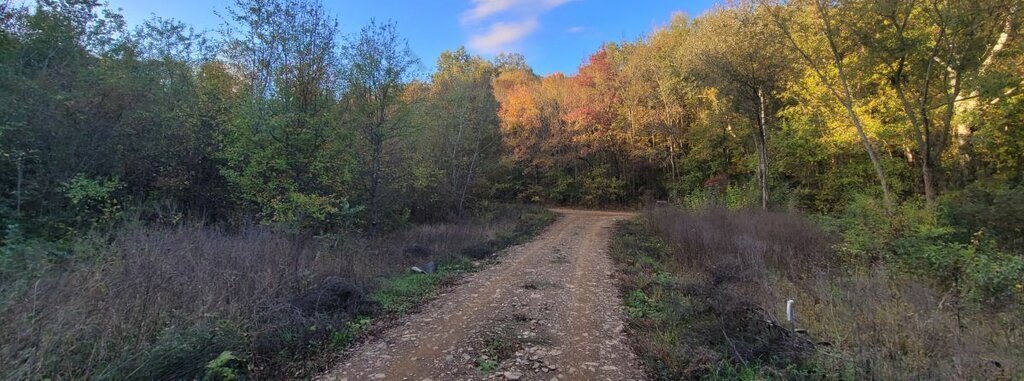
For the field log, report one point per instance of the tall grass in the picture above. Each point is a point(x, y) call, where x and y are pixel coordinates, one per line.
point(162, 302)
point(706, 293)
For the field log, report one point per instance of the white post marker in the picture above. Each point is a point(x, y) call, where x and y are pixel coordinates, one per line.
point(790, 314)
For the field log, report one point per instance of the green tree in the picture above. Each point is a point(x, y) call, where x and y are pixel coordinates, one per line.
point(465, 120)
point(286, 152)
point(828, 47)
point(736, 51)
point(379, 65)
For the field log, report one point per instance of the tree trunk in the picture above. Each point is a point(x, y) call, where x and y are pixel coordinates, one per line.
point(922, 135)
point(19, 159)
point(672, 158)
point(375, 166)
point(762, 148)
point(875, 161)
point(930, 194)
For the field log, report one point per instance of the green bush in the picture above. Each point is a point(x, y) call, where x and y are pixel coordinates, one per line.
point(93, 199)
point(222, 368)
point(993, 277)
point(995, 209)
point(732, 197)
point(186, 353)
point(23, 258)
point(918, 240)
point(347, 335)
point(639, 305)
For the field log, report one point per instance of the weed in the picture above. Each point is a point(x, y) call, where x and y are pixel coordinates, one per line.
point(222, 368)
point(344, 337)
point(486, 364)
point(401, 293)
point(639, 305)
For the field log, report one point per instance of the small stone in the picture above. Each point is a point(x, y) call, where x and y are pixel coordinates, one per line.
point(379, 376)
point(513, 375)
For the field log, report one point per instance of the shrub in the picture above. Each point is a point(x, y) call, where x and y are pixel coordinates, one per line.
point(994, 278)
point(92, 200)
point(920, 241)
point(997, 210)
point(222, 368)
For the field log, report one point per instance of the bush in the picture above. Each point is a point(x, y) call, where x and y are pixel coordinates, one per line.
point(993, 278)
point(919, 241)
point(996, 210)
point(92, 200)
point(731, 197)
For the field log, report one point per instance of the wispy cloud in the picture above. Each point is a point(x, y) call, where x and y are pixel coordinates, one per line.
point(483, 8)
point(576, 29)
point(502, 35)
point(499, 25)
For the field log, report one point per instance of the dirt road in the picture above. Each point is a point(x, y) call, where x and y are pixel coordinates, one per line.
point(548, 311)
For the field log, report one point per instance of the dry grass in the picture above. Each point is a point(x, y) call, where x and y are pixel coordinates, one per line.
point(706, 292)
point(160, 303)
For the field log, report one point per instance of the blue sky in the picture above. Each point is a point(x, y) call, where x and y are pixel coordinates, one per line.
point(554, 35)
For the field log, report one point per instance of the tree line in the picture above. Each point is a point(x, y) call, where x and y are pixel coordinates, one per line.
point(804, 103)
point(278, 118)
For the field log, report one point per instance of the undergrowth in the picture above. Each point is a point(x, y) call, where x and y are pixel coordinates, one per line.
point(198, 302)
point(705, 293)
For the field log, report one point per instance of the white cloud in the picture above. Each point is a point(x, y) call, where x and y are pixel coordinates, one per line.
point(483, 9)
point(501, 36)
point(576, 29)
point(507, 22)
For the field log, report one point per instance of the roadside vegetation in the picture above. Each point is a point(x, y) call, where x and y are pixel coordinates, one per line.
point(188, 301)
point(705, 294)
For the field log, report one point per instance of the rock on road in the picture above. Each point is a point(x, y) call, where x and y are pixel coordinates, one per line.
point(548, 311)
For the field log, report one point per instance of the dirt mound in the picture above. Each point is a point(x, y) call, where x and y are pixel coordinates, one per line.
point(334, 295)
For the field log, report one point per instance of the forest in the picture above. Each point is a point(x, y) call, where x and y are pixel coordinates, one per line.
point(145, 171)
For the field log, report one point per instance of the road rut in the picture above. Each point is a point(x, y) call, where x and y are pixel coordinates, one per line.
point(548, 311)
